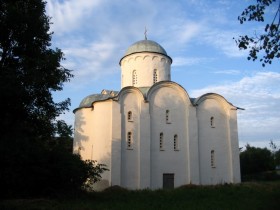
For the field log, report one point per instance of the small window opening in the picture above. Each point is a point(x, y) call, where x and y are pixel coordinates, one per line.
point(167, 116)
point(161, 141)
point(129, 140)
point(175, 142)
point(129, 116)
point(134, 78)
point(212, 158)
point(155, 76)
point(212, 122)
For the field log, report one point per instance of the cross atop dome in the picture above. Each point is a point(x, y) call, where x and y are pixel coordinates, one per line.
point(145, 33)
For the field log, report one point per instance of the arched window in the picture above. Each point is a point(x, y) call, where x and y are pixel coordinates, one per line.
point(155, 76)
point(129, 140)
point(175, 142)
point(212, 124)
point(212, 158)
point(134, 77)
point(129, 116)
point(161, 141)
point(167, 116)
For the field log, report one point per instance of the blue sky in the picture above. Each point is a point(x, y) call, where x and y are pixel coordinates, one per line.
point(197, 34)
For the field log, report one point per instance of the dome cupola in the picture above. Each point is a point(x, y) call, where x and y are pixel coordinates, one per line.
point(144, 63)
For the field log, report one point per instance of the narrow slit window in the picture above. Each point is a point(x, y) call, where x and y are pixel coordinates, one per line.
point(129, 116)
point(212, 158)
point(134, 78)
point(176, 142)
point(129, 140)
point(161, 141)
point(212, 123)
point(155, 76)
point(167, 116)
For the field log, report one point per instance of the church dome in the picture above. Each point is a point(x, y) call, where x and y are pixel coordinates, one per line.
point(144, 63)
point(145, 46)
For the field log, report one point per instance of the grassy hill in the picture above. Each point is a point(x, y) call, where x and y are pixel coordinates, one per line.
point(254, 195)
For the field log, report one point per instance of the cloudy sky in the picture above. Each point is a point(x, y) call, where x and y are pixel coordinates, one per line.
point(197, 34)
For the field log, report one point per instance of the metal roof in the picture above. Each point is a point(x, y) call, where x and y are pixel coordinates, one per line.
point(110, 94)
point(145, 46)
point(87, 101)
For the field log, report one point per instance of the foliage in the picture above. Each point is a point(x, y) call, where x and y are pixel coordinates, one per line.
point(93, 173)
point(275, 153)
point(277, 157)
point(41, 171)
point(36, 149)
point(269, 41)
point(255, 160)
point(242, 196)
point(29, 71)
point(63, 136)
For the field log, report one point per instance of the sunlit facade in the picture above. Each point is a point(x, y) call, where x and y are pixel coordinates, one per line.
point(151, 134)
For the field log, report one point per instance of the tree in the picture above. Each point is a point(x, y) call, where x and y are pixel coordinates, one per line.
point(64, 136)
point(255, 160)
point(29, 71)
point(277, 158)
point(268, 42)
point(34, 152)
point(275, 153)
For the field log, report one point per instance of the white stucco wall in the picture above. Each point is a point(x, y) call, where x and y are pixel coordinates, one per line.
point(83, 133)
point(101, 134)
point(130, 166)
point(116, 152)
point(234, 146)
point(193, 146)
point(93, 137)
point(168, 160)
point(101, 130)
point(214, 138)
point(144, 64)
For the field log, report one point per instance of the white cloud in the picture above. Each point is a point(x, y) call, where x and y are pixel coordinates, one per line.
point(94, 35)
point(186, 32)
point(67, 15)
point(187, 61)
point(260, 96)
point(228, 71)
point(223, 40)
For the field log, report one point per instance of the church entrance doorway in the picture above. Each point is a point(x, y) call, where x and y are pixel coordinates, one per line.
point(168, 181)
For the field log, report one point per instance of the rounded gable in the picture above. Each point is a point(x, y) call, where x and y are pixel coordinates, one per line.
point(180, 90)
point(220, 99)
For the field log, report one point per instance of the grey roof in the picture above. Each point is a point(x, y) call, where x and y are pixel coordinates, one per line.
point(144, 90)
point(106, 94)
point(110, 94)
point(145, 46)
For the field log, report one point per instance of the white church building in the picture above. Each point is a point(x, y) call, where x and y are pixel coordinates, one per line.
point(151, 134)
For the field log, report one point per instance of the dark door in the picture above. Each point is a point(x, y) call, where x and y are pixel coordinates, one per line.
point(168, 181)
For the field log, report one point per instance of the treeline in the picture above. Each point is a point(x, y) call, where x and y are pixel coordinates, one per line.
point(260, 163)
point(35, 148)
point(30, 168)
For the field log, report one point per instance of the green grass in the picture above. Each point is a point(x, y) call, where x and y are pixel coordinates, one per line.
point(257, 195)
